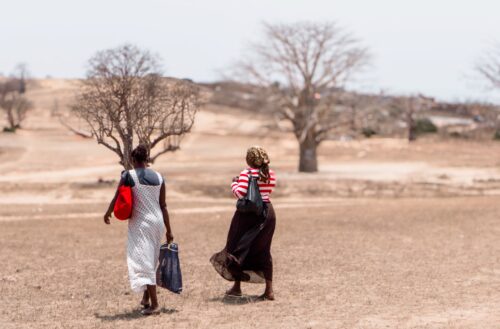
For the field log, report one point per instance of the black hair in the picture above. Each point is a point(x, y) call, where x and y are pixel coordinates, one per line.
point(140, 154)
point(264, 175)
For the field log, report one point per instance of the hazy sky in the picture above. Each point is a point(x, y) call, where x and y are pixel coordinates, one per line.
point(418, 46)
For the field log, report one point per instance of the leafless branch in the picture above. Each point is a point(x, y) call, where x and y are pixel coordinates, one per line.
point(125, 100)
point(489, 66)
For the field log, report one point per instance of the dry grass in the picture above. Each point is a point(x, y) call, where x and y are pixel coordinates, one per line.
point(379, 262)
point(351, 263)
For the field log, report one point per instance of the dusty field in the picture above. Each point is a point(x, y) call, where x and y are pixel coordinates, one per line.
point(387, 235)
point(350, 263)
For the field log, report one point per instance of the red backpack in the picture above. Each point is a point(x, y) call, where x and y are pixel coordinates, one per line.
point(123, 203)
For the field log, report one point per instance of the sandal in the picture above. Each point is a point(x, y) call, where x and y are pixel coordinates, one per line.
point(148, 311)
point(265, 296)
point(231, 293)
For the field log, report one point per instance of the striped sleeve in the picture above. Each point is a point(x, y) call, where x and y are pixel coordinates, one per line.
point(240, 187)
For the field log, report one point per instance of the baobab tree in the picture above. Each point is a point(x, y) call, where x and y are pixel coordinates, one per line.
point(302, 65)
point(125, 101)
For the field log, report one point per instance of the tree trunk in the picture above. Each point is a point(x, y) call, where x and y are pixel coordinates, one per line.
point(412, 126)
point(127, 152)
point(353, 119)
point(412, 130)
point(10, 118)
point(308, 161)
point(412, 134)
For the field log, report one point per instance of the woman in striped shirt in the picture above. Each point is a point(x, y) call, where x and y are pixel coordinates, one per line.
point(247, 255)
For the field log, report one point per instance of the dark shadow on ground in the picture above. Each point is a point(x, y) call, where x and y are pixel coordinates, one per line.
point(233, 300)
point(132, 315)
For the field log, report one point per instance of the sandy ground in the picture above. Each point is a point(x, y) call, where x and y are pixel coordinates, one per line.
point(347, 263)
point(386, 235)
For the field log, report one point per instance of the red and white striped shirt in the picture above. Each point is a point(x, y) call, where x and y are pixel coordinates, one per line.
point(241, 186)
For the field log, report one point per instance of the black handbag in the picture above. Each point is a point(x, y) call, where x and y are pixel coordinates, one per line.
point(252, 202)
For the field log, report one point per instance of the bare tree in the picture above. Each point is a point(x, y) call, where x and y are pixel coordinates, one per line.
point(21, 75)
point(489, 66)
point(302, 65)
point(355, 105)
point(12, 99)
point(126, 101)
point(406, 107)
point(16, 107)
point(411, 107)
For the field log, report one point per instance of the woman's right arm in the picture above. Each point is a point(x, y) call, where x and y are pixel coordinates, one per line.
point(107, 215)
point(240, 185)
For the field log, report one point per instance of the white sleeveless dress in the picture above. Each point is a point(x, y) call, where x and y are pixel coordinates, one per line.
point(145, 234)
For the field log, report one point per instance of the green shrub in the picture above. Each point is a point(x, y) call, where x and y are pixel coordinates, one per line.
point(368, 132)
point(425, 126)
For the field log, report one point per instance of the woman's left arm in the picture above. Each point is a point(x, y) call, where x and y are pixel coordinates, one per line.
point(164, 211)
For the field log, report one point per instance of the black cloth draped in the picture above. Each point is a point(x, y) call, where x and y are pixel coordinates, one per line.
point(247, 255)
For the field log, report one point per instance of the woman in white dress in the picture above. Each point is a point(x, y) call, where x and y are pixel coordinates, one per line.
point(146, 227)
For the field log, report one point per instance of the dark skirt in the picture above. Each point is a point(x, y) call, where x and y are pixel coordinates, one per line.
point(247, 255)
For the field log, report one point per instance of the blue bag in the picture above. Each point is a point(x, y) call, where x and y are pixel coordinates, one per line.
point(169, 270)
